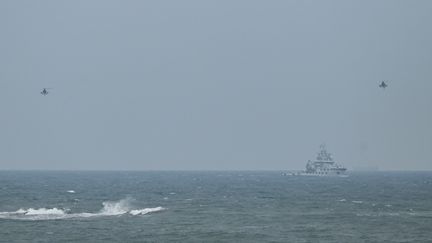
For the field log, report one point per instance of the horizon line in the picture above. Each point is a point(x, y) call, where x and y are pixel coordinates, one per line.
point(202, 170)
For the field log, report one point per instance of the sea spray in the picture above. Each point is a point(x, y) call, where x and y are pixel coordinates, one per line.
point(115, 208)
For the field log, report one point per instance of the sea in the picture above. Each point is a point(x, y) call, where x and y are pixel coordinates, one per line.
point(214, 206)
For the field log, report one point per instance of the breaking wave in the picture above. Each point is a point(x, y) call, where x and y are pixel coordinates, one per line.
point(109, 209)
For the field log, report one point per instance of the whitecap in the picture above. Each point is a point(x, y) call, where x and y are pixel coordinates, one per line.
point(44, 211)
point(71, 191)
point(146, 210)
point(20, 211)
point(110, 208)
point(34, 214)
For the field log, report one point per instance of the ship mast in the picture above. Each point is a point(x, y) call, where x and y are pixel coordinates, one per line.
point(323, 155)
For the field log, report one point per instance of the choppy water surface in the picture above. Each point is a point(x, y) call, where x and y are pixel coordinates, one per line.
point(214, 207)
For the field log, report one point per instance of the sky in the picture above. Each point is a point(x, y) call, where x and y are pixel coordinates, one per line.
point(214, 85)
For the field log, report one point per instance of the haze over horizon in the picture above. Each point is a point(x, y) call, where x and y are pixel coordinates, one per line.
point(226, 85)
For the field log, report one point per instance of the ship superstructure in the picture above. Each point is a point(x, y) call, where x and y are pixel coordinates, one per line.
point(324, 165)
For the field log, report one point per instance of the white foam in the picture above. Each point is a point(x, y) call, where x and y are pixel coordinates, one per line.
point(35, 214)
point(110, 208)
point(71, 191)
point(44, 211)
point(146, 210)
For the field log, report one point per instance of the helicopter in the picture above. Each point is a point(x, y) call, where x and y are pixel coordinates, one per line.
point(383, 85)
point(45, 92)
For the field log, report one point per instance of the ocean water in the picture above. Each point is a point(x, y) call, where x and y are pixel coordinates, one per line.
point(37, 206)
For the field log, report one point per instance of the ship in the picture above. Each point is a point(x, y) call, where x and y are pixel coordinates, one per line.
point(323, 165)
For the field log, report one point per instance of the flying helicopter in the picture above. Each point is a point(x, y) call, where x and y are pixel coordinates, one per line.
point(383, 85)
point(45, 92)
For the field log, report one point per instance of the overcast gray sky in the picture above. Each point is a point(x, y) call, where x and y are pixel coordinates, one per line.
point(214, 84)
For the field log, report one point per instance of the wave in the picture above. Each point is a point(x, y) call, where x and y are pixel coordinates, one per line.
point(42, 211)
point(145, 210)
point(379, 214)
point(409, 212)
point(109, 209)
